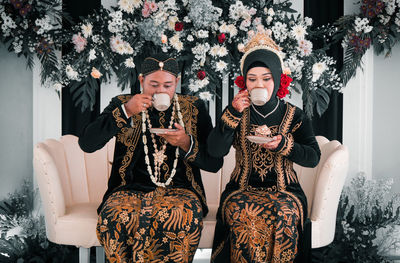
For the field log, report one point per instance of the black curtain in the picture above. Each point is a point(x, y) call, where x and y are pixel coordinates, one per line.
point(73, 119)
point(330, 124)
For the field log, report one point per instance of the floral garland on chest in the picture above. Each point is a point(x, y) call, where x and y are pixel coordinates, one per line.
point(159, 154)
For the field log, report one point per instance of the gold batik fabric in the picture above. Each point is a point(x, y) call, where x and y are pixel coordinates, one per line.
point(263, 226)
point(160, 226)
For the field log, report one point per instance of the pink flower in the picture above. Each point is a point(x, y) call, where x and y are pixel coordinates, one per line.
point(79, 42)
point(153, 6)
point(146, 11)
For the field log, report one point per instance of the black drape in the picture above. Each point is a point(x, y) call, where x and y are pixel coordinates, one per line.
point(330, 124)
point(73, 119)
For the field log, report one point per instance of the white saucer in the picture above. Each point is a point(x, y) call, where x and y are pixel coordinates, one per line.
point(259, 139)
point(161, 130)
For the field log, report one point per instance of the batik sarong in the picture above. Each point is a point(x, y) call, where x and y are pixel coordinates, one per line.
point(160, 226)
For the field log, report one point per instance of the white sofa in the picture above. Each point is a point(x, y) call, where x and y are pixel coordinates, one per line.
point(72, 183)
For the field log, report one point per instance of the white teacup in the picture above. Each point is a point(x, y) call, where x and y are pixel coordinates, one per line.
point(161, 101)
point(259, 96)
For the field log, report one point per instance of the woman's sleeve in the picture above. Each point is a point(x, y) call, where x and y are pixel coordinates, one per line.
point(110, 122)
point(221, 137)
point(300, 145)
point(198, 153)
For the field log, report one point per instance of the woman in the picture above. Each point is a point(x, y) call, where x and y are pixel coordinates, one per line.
point(262, 212)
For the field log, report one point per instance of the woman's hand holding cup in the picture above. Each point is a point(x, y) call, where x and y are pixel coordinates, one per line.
point(241, 101)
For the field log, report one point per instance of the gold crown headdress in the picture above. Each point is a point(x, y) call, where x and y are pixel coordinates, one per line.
point(261, 40)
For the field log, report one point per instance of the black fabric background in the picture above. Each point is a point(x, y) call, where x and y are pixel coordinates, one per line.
point(330, 124)
point(73, 119)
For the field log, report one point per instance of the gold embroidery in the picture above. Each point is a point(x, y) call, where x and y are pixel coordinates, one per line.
point(190, 115)
point(287, 148)
point(230, 120)
point(245, 147)
point(218, 250)
point(196, 187)
point(162, 119)
point(297, 126)
point(117, 116)
point(124, 98)
point(129, 137)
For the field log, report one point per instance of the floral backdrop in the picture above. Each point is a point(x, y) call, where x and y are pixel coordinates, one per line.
point(206, 36)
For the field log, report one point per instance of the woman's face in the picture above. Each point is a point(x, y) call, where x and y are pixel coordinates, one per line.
point(260, 77)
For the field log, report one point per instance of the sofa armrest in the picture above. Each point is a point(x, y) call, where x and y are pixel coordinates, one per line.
point(48, 179)
point(328, 187)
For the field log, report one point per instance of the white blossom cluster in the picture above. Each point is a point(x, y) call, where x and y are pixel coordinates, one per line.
point(280, 31)
point(44, 24)
point(8, 24)
point(200, 52)
point(270, 15)
point(196, 84)
point(361, 25)
point(231, 29)
point(295, 65)
point(239, 11)
point(200, 17)
point(120, 46)
point(129, 6)
point(116, 22)
point(390, 6)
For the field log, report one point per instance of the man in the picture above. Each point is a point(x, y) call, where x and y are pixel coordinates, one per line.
point(155, 202)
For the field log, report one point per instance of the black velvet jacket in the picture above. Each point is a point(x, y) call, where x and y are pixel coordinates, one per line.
point(129, 167)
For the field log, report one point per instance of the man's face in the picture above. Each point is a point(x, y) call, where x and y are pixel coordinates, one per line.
point(159, 82)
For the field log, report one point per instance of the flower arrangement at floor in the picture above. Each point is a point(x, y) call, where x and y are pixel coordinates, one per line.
point(377, 25)
point(367, 216)
point(22, 231)
point(32, 28)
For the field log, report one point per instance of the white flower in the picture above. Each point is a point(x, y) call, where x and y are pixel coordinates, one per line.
point(193, 87)
point(71, 73)
point(240, 47)
point(368, 29)
point(202, 34)
point(15, 231)
point(214, 51)
point(271, 12)
point(317, 69)
point(171, 22)
point(257, 21)
point(190, 38)
point(245, 24)
point(232, 30)
point(87, 30)
point(223, 28)
point(222, 51)
point(305, 47)
point(129, 5)
point(176, 43)
point(308, 21)
point(298, 32)
point(268, 20)
point(92, 55)
point(57, 86)
point(205, 95)
point(220, 66)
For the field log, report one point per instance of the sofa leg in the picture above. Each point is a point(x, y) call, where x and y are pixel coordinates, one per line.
point(84, 255)
point(99, 255)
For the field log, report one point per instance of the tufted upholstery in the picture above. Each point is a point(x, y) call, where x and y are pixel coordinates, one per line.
point(72, 183)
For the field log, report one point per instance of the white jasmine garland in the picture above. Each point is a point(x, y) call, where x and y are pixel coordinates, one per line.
point(159, 154)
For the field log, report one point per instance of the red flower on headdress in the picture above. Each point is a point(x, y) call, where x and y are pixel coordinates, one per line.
point(239, 81)
point(178, 26)
point(201, 74)
point(221, 38)
point(283, 87)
